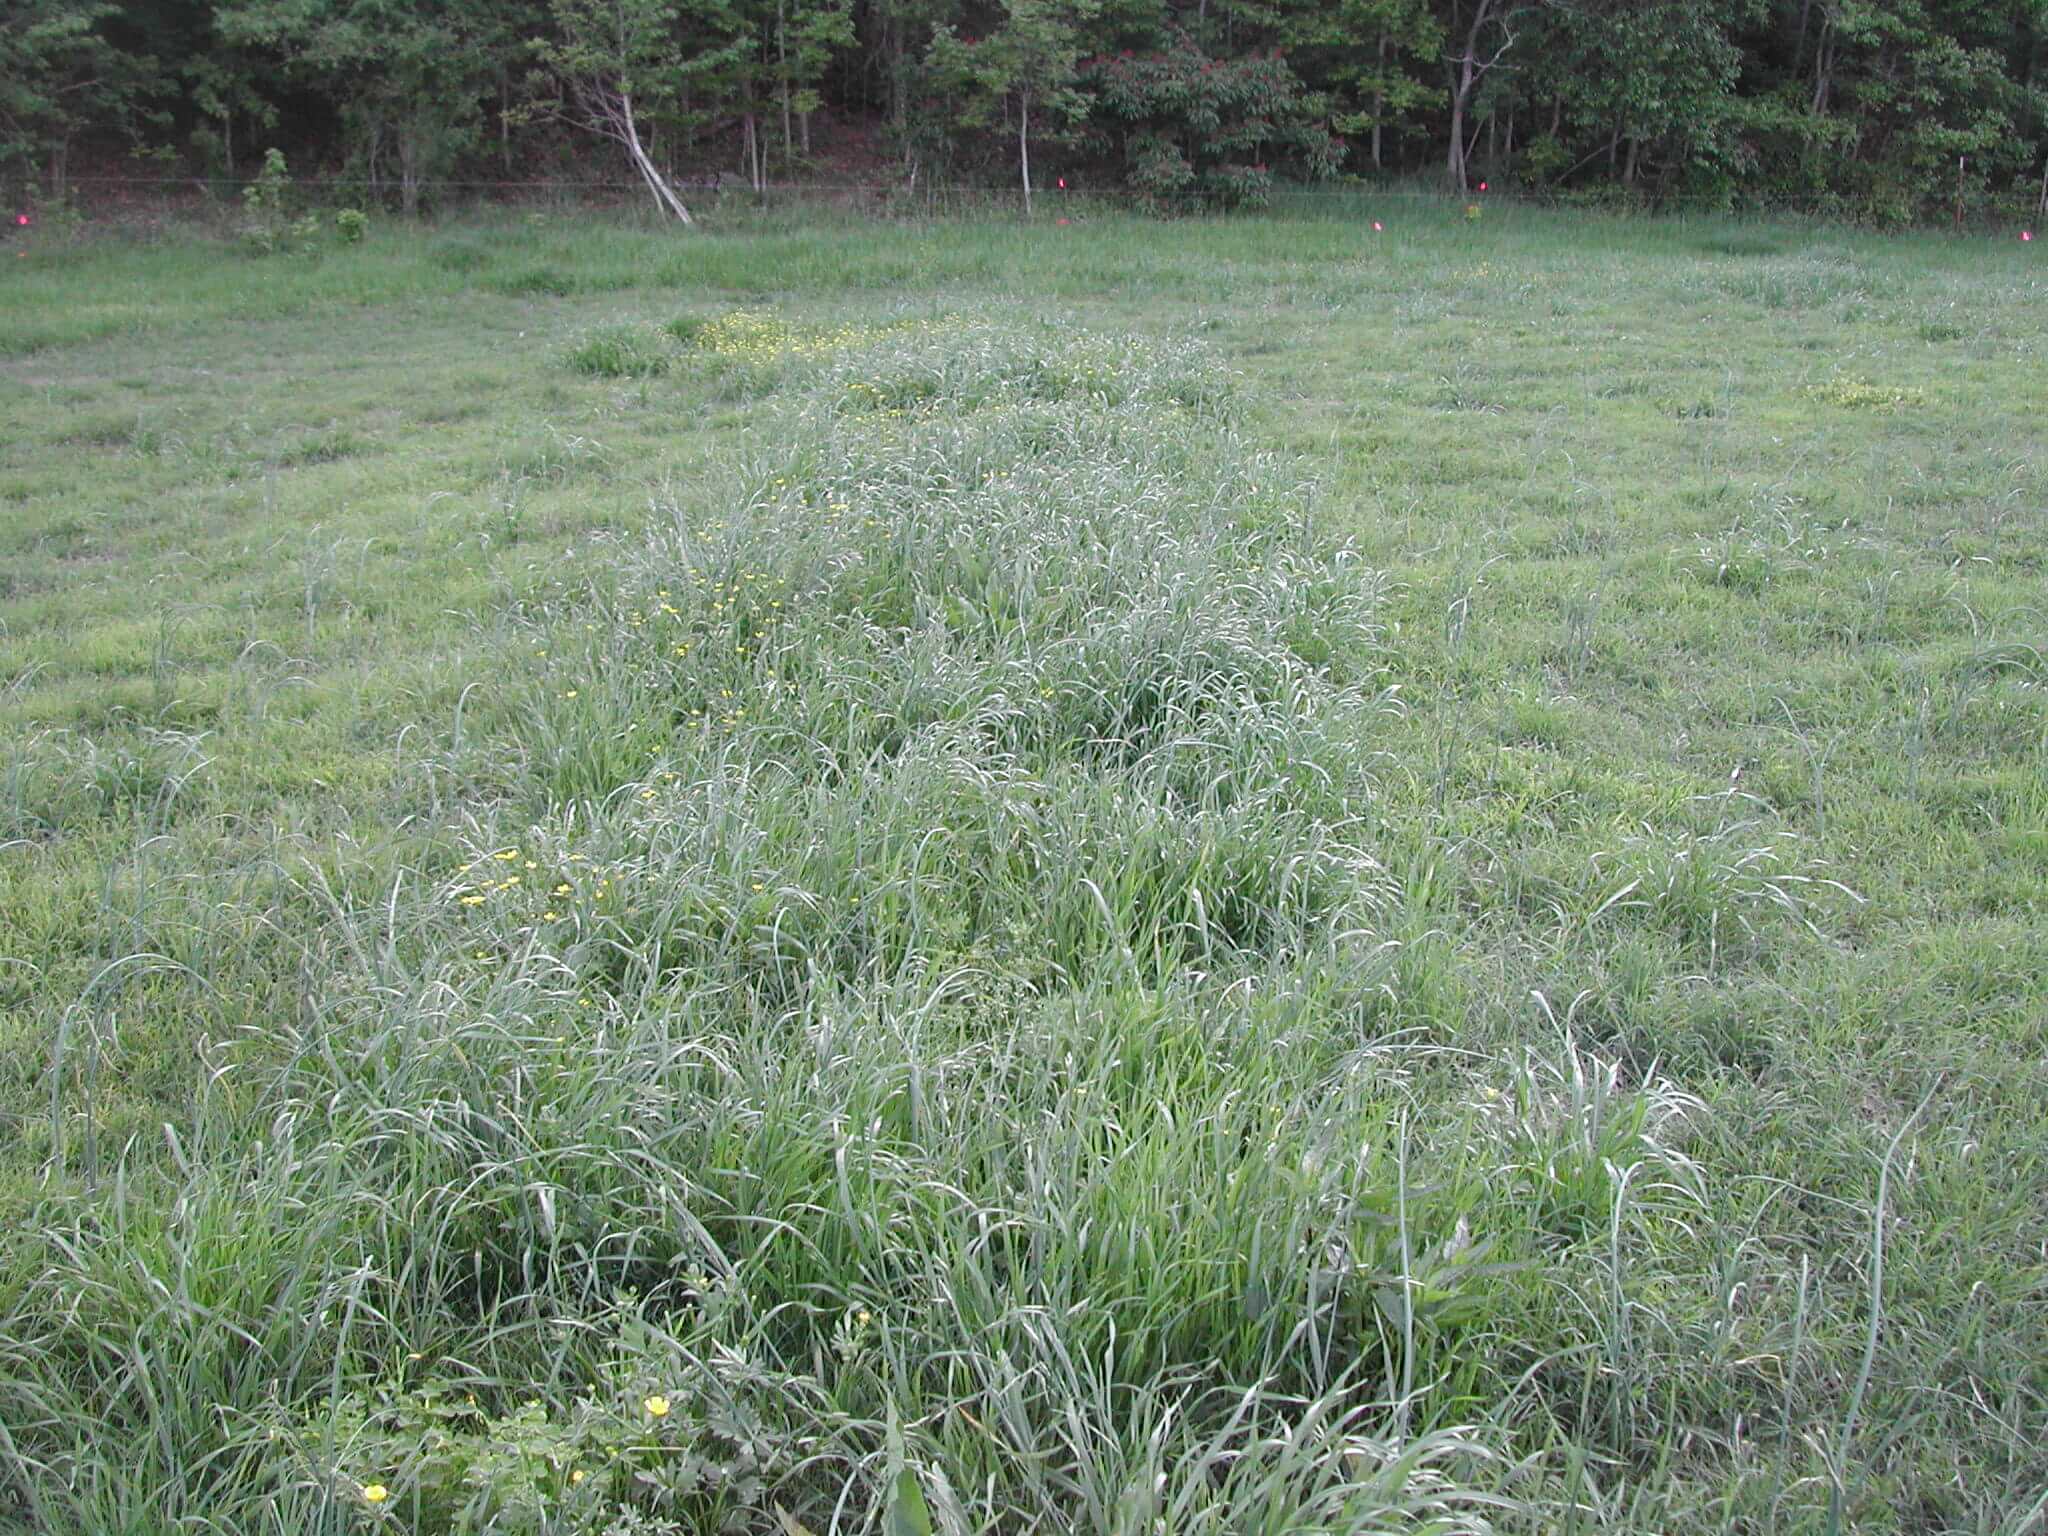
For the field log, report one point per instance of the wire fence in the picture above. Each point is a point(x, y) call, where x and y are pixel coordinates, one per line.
point(103, 194)
point(730, 187)
point(155, 199)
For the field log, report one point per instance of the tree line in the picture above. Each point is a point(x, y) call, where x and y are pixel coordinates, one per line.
point(1888, 110)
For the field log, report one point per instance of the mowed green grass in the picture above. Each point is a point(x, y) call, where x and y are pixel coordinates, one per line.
point(1577, 1016)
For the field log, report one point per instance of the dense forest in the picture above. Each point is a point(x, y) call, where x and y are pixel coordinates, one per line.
point(1885, 110)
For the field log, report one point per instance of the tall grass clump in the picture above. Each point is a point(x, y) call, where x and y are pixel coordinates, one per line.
point(909, 1056)
point(621, 352)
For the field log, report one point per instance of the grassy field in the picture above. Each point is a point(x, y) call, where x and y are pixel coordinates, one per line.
point(1219, 877)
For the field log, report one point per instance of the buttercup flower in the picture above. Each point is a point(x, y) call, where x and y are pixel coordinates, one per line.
point(656, 1406)
point(375, 1493)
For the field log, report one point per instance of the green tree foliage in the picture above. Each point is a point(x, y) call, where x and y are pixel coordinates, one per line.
point(1376, 57)
point(615, 67)
point(1191, 130)
point(224, 85)
point(771, 70)
point(1479, 36)
point(1925, 89)
point(409, 76)
point(1886, 110)
point(806, 39)
point(61, 75)
point(1648, 85)
point(1024, 73)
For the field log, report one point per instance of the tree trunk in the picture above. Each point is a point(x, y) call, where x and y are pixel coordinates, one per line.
point(372, 159)
point(1024, 146)
point(1628, 175)
point(897, 108)
point(1455, 166)
point(1466, 76)
point(782, 70)
point(408, 172)
point(754, 152)
point(505, 121)
point(664, 195)
point(1379, 103)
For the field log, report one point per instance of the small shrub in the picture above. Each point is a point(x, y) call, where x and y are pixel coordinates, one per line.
point(352, 224)
point(272, 186)
point(267, 226)
point(1161, 172)
point(1241, 186)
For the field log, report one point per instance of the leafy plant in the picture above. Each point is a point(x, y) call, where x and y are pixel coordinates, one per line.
point(269, 226)
point(659, 1435)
